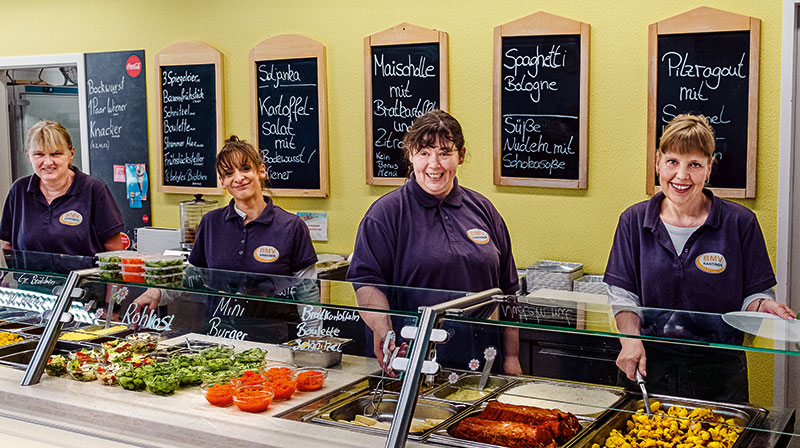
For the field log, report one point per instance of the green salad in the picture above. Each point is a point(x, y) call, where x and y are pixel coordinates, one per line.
point(133, 379)
point(217, 352)
point(252, 355)
point(191, 376)
point(56, 365)
point(161, 384)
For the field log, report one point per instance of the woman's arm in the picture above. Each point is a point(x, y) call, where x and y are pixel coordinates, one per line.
point(114, 243)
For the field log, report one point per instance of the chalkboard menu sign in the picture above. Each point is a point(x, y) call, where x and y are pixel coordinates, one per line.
point(190, 129)
point(288, 111)
point(116, 107)
point(540, 110)
point(405, 77)
point(712, 72)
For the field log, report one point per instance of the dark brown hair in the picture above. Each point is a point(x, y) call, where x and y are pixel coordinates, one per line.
point(688, 134)
point(237, 153)
point(436, 124)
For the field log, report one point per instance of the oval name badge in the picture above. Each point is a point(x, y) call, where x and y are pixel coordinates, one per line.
point(70, 218)
point(711, 262)
point(478, 236)
point(266, 254)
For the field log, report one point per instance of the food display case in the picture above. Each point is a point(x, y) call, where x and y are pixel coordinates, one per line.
point(235, 359)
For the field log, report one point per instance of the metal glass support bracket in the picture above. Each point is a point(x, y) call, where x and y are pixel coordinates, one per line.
point(53, 328)
point(407, 401)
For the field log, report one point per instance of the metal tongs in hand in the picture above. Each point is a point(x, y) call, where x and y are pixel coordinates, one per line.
point(640, 382)
point(388, 358)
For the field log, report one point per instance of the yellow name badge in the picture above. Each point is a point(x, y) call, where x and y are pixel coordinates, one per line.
point(71, 218)
point(266, 254)
point(711, 262)
point(478, 236)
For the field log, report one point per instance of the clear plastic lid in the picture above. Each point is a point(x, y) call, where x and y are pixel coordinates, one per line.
point(160, 261)
point(114, 256)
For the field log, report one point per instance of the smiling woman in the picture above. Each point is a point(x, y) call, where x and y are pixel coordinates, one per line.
point(686, 249)
point(59, 200)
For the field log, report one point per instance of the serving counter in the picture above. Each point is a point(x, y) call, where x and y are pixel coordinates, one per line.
point(432, 396)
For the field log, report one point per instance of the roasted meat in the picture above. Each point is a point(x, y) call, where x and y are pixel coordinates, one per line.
point(563, 425)
point(510, 434)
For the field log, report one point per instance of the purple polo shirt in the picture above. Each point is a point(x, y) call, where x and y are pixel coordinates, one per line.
point(277, 242)
point(410, 238)
point(77, 223)
point(723, 261)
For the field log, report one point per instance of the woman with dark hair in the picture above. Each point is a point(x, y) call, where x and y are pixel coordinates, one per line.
point(686, 249)
point(434, 233)
point(250, 235)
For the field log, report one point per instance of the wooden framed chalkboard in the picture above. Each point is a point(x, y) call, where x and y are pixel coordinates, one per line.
point(541, 102)
point(405, 76)
point(705, 61)
point(190, 122)
point(289, 114)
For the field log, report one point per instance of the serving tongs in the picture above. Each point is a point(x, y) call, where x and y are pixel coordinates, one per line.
point(371, 409)
point(640, 382)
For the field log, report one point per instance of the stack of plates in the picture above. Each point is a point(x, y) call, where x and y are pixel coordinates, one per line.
point(553, 275)
point(592, 284)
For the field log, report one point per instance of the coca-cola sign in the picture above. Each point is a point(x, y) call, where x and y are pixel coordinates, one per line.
point(133, 66)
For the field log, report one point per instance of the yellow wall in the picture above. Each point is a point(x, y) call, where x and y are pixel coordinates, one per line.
point(575, 225)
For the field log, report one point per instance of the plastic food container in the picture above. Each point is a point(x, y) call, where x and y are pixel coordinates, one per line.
point(114, 256)
point(161, 384)
point(136, 268)
point(164, 270)
point(160, 261)
point(283, 387)
point(277, 370)
point(133, 277)
point(311, 378)
point(115, 275)
point(107, 266)
point(131, 257)
point(164, 280)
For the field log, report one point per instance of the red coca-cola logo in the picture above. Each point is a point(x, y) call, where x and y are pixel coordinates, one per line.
point(145, 218)
point(126, 241)
point(133, 66)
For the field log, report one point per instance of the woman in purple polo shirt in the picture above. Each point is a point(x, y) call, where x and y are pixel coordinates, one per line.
point(59, 209)
point(434, 233)
point(686, 249)
point(250, 235)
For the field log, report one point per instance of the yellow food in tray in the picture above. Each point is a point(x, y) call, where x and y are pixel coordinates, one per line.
point(91, 333)
point(468, 394)
point(676, 428)
point(417, 424)
point(9, 338)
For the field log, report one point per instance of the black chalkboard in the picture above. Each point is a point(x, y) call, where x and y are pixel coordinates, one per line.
point(288, 122)
point(540, 95)
point(116, 104)
point(708, 74)
point(405, 85)
point(189, 125)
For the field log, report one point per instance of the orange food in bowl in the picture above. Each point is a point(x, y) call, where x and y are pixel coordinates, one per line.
point(133, 277)
point(249, 378)
point(283, 387)
point(280, 371)
point(219, 394)
point(311, 379)
point(253, 399)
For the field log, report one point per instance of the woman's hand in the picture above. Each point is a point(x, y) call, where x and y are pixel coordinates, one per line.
point(148, 300)
point(770, 306)
point(631, 357)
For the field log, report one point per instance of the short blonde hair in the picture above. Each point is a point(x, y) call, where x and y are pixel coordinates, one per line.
point(688, 134)
point(47, 135)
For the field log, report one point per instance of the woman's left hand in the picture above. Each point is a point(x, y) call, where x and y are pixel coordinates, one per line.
point(776, 308)
point(511, 365)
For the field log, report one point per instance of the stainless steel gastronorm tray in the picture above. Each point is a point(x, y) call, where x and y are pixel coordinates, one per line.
point(567, 404)
point(742, 414)
point(19, 355)
point(494, 384)
point(347, 411)
point(444, 434)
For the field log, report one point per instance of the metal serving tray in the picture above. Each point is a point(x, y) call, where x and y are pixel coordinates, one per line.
point(19, 355)
point(347, 411)
point(445, 434)
point(744, 415)
point(563, 402)
point(469, 382)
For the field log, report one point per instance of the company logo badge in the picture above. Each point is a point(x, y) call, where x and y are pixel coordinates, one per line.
point(711, 262)
point(478, 236)
point(266, 254)
point(133, 66)
point(71, 218)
